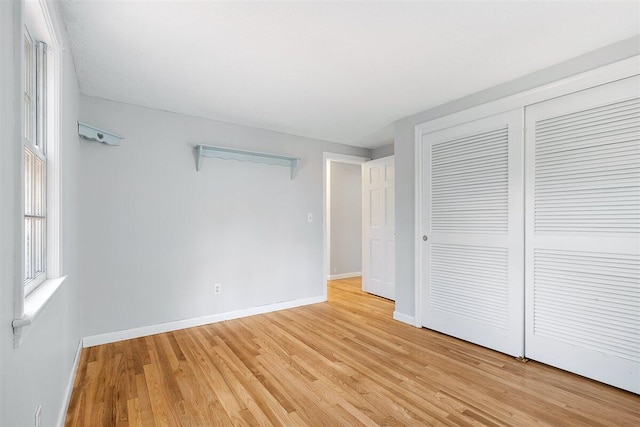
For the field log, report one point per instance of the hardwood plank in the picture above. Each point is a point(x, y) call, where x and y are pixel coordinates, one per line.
point(133, 411)
point(144, 402)
point(345, 362)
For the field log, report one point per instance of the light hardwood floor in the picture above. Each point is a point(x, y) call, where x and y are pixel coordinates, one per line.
point(340, 363)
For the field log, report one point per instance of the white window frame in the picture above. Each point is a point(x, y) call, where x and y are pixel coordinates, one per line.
point(35, 124)
point(41, 23)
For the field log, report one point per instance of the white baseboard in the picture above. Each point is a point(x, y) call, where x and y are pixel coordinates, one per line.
point(144, 331)
point(67, 393)
point(409, 320)
point(344, 275)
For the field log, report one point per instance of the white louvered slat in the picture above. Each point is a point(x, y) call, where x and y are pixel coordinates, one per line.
point(615, 136)
point(469, 183)
point(470, 282)
point(581, 157)
point(620, 115)
point(590, 113)
point(589, 300)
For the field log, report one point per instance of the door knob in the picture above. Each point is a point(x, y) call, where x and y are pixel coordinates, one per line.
point(425, 238)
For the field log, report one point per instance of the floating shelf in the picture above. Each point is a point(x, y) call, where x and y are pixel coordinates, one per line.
point(244, 156)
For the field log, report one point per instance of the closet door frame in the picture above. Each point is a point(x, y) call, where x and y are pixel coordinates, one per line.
point(616, 71)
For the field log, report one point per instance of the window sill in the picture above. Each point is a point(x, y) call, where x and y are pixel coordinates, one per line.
point(34, 305)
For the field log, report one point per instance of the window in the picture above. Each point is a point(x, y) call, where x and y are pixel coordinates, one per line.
point(40, 134)
point(35, 162)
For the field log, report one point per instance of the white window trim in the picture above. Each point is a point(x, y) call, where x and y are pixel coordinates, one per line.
point(43, 24)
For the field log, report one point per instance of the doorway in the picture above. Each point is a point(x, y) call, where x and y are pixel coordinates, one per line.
point(374, 258)
point(343, 166)
point(345, 219)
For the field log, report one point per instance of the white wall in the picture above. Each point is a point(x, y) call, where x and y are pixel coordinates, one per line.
point(37, 373)
point(383, 151)
point(405, 150)
point(346, 218)
point(156, 234)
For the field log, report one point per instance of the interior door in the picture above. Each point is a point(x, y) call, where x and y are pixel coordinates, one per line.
point(583, 233)
point(472, 236)
point(378, 223)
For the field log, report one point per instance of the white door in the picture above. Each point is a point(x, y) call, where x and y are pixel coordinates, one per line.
point(472, 232)
point(583, 233)
point(379, 228)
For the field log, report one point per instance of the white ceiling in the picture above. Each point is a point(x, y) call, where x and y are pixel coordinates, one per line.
point(337, 71)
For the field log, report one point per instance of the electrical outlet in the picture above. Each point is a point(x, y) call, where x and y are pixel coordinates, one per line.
point(217, 289)
point(39, 416)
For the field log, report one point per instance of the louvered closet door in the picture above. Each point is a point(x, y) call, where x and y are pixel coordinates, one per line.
point(472, 213)
point(582, 233)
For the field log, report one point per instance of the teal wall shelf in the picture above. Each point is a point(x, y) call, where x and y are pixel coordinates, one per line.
point(226, 153)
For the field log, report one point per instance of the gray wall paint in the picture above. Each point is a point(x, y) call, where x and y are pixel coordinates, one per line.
point(404, 150)
point(156, 234)
point(384, 151)
point(37, 373)
point(346, 218)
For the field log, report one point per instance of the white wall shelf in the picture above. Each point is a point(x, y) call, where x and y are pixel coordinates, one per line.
point(94, 134)
point(244, 156)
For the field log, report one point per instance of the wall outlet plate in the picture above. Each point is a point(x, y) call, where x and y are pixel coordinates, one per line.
point(217, 289)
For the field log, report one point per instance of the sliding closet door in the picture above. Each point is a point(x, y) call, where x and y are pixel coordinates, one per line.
point(583, 233)
point(472, 237)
